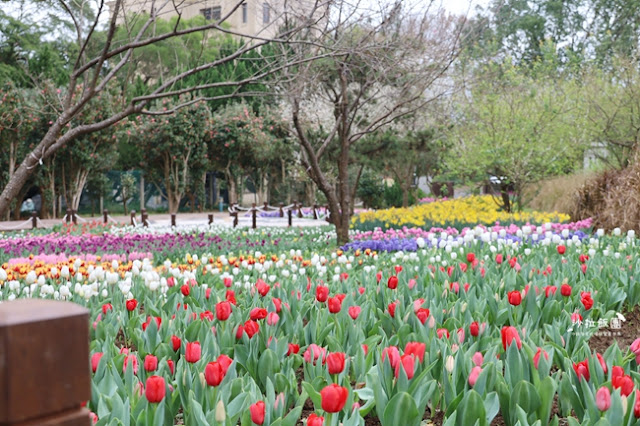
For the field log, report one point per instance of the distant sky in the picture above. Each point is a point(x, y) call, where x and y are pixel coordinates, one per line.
point(462, 6)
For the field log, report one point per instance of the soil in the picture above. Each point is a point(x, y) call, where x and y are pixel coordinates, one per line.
point(624, 336)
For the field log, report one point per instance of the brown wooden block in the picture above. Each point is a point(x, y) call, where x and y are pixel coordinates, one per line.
point(44, 360)
point(78, 417)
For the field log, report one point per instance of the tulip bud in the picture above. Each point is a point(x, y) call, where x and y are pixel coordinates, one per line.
point(221, 414)
point(449, 363)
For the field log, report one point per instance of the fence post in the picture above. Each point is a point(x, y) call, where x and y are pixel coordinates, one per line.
point(105, 216)
point(254, 212)
point(40, 389)
point(281, 211)
point(299, 210)
point(143, 217)
point(289, 215)
point(315, 212)
point(34, 220)
point(235, 218)
point(133, 217)
point(173, 219)
point(74, 217)
point(210, 218)
point(68, 216)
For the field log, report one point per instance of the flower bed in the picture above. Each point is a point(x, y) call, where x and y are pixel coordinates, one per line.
point(468, 326)
point(455, 213)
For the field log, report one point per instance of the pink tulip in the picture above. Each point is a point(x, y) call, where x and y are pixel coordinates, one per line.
point(603, 398)
point(477, 359)
point(473, 376)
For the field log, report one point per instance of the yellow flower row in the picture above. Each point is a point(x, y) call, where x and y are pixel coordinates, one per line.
point(469, 210)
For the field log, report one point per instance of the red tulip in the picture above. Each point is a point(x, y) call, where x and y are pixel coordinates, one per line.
point(277, 303)
point(293, 349)
point(415, 348)
point(176, 342)
point(565, 290)
point(314, 352)
point(262, 287)
point(393, 354)
point(392, 309)
point(131, 304)
point(251, 328)
point(442, 332)
point(624, 383)
point(499, 258)
point(223, 310)
point(335, 362)
point(583, 258)
point(636, 406)
point(603, 398)
point(192, 352)
point(258, 314)
point(230, 295)
point(150, 363)
point(561, 249)
point(473, 376)
point(206, 315)
point(134, 363)
point(322, 293)
point(471, 257)
point(354, 312)
point(333, 398)
point(172, 366)
point(95, 360)
point(315, 420)
point(550, 290)
point(185, 290)
point(107, 307)
point(515, 297)
point(149, 318)
point(392, 282)
point(335, 305)
point(602, 363)
point(155, 389)
point(379, 277)
point(272, 318)
point(422, 314)
point(214, 373)
point(474, 329)
point(582, 369)
point(510, 334)
point(408, 365)
point(207, 294)
point(257, 411)
point(536, 357)
point(587, 301)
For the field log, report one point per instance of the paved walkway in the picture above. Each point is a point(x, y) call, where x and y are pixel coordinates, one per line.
point(164, 220)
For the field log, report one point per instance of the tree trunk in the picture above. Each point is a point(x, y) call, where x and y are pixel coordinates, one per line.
point(506, 201)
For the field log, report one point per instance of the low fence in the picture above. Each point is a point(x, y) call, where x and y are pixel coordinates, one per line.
point(266, 212)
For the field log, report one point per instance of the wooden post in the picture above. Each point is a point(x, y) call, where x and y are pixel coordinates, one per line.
point(74, 217)
point(173, 219)
point(44, 363)
point(210, 218)
point(281, 211)
point(299, 206)
point(290, 216)
point(235, 219)
point(254, 212)
point(105, 216)
point(133, 217)
point(68, 216)
point(315, 212)
point(143, 217)
point(266, 206)
point(34, 220)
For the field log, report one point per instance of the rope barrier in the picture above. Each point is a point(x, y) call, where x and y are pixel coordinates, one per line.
point(16, 227)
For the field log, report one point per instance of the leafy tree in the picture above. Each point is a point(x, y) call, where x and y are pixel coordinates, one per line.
point(515, 131)
point(174, 148)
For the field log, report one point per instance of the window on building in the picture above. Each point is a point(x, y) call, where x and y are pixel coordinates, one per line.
point(245, 13)
point(266, 12)
point(216, 13)
point(206, 13)
point(210, 13)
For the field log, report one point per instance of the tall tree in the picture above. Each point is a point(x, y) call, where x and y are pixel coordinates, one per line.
point(99, 57)
point(390, 64)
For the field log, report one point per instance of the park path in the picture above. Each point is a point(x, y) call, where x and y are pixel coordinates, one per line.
point(164, 220)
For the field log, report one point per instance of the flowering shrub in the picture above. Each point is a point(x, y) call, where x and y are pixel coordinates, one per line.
point(469, 326)
point(455, 213)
